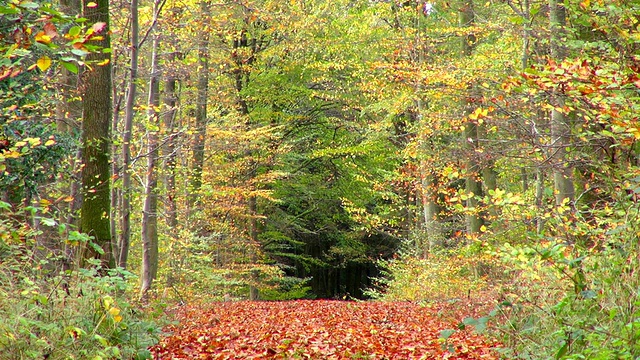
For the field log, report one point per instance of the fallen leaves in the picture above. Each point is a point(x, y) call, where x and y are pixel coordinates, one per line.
point(320, 329)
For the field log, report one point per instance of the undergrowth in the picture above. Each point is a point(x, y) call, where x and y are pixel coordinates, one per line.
point(571, 291)
point(575, 296)
point(82, 313)
point(443, 275)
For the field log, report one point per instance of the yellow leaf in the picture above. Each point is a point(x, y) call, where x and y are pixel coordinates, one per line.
point(103, 62)
point(91, 4)
point(43, 63)
point(49, 142)
point(41, 37)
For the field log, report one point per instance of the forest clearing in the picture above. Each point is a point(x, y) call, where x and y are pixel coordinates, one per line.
point(205, 177)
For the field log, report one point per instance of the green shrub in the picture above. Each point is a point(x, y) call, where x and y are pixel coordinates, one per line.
point(76, 314)
point(575, 296)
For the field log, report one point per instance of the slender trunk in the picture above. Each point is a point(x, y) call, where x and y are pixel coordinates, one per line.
point(254, 294)
point(430, 209)
point(560, 123)
point(169, 149)
point(115, 191)
point(489, 174)
point(473, 185)
point(539, 198)
point(201, 111)
point(125, 227)
point(150, 209)
point(96, 129)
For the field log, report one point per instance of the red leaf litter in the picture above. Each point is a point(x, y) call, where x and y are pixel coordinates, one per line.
point(322, 329)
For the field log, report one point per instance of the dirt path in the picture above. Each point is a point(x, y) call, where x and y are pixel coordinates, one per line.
point(322, 329)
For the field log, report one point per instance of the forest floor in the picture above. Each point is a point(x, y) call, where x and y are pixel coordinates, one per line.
point(325, 329)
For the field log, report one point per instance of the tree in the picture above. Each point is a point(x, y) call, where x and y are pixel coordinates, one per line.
point(96, 130)
point(199, 136)
point(125, 209)
point(169, 151)
point(473, 183)
point(149, 233)
point(560, 123)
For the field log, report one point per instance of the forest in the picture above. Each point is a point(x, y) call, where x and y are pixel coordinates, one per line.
point(162, 153)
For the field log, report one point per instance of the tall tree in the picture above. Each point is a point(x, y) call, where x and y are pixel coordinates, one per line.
point(201, 109)
point(169, 152)
point(96, 129)
point(473, 184)
point(125, 222)
point(560, 122)
point(150, 208)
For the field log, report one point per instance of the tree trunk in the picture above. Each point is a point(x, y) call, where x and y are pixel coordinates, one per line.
point(96, 129)
point(430, 209)
point(149, 233)
point(169, 149)
point(201, 110)
point(473, 185)
point(125, 226)
point(253, 229)
point(560, 123)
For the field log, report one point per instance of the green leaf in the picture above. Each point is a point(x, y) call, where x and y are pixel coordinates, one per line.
point(70, 67)
point(562, 351)
point(8, 10)
point(516, 20)
point(79, 52)
point(75, 31)
point(469, 321)
point(101, 340)
point(96, 247)
point(48, 221)
point(481, 324)
point(5, 206)
point(143, 355)
point(446, 333)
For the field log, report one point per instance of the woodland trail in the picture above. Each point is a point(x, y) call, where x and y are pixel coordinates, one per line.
point(323, 329)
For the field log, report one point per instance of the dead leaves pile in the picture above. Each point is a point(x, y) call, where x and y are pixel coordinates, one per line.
point(321, 329)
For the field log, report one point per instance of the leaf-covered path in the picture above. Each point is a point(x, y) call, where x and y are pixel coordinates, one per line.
point(321, 329)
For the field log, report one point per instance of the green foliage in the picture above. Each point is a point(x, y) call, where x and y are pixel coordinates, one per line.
point(575, 300)
point(72, 314)
point(35, 155)
point(287, 288)
point(220, 265)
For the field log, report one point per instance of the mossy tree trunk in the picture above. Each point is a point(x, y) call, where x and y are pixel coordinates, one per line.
point(96, 130)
